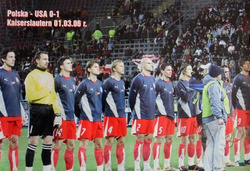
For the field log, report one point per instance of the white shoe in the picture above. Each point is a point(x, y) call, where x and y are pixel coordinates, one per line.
point(158, 169)
point(170, 168)
point(230, 164)
point(147, 169)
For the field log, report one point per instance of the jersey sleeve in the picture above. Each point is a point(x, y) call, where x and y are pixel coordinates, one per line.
point(134, 90)
point(235, 88)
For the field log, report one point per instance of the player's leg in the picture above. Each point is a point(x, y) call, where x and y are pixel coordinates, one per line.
point(1, 147)
point(120, 153)
point(55, 153)
point(99, 157)
point(137, 150)
point(182, 151)
point(247, 146)
point(168, 151)
point(69, 154)
point(46, 152)
point(237, 145)
point(107, 152)
point(156, 151)
point(82, 157)
point(147, 151)
point(13, 152)
point(191, 152)
point(30, 153)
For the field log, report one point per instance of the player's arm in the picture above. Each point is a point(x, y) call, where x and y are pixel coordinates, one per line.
point(78, 95)
point(235, 88)
point(134, 89)
point(106, 90)
point(185, 93)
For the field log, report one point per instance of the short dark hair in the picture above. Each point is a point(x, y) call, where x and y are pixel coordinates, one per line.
point(164, 65)
point(5, 51)
point(243, 60)
point(38, 54)
point(61, 60)
point(90, 64)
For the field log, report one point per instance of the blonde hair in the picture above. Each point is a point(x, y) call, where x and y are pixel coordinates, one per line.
point(183, 71)
point(114, 64)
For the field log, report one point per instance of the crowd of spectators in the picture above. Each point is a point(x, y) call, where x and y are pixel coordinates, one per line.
point(219, 34)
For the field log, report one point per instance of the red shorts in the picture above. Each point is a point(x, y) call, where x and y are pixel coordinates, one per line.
point(66, 131)
point(11, 126)
point(142, 126)
point(199, 131)
point(164, 126)
point(89, 130)
point(187, 126)
point(116, 127)
point(242, 117)
point(229, 125)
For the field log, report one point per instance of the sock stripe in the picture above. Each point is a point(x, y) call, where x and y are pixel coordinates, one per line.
point(47, 147)
point(32, 147)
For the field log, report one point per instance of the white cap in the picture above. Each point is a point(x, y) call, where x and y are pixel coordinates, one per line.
point(205, 66)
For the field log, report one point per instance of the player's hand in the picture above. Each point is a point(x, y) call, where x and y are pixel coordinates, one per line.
point(57, 121)
point(24, 120)
point(220, 121)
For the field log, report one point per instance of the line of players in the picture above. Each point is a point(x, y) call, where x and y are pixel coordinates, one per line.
point(151, 103)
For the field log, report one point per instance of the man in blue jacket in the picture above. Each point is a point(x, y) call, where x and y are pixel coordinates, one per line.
point(214, 117)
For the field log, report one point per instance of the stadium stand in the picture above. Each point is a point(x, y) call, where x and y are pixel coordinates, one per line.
point(196, 31)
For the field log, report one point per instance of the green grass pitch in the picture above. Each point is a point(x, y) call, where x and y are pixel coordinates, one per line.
point(91, 164)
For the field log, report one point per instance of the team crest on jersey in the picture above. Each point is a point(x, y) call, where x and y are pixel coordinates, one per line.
point(116, 87)
point(6, 79)
point(17, 80)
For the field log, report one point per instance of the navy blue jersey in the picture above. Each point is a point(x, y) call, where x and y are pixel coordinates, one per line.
point(164, 98)
point(65, 90)
point(240, 92)
point(10, 94)
point(114, 98)
point(185, 98)
point(89, 98)
point(142, 97)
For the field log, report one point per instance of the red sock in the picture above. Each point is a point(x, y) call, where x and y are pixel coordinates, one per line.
point(99, 156)
point(247, 145)
point(199, 149)
point(107, 153)
point(146, 149)
point(82, 157)
point(54, 157)
point(182, 148)
point(69, 159)
point(156, 148)
point(167, 150)
point(13, 158)
point(137, 149)
point(191, 150)
point(236, 141)
point(120, 154)
point(227, 148)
